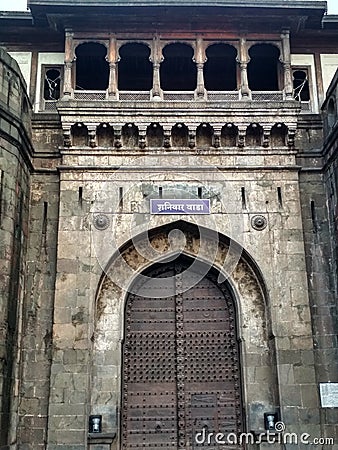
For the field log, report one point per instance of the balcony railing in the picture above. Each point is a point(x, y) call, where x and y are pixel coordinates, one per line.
point(49, 105)
point(90, 95)
point(267, 96)
point(134, 96)
point(306, 106)
point(178, 96)
point(223, 96)
point(173, 96)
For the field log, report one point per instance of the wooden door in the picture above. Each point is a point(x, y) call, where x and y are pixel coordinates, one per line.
point(180, 363)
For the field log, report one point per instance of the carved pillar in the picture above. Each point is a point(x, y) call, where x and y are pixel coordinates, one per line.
point(113, 59)
point(192, 138)
point(241, 136)
point(200, 59)
point(291, 136)
point(69, 58)
point(92, 135)
point(217, 135)
point(266, 136)
point(286, 60)
point(67, 142)
point(117, 136)
point(156, 58)
point(167, 137)
point(142, 129)
point(243, 59)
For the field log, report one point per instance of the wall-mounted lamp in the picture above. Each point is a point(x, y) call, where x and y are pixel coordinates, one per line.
point(270, 420)
point(95, 424)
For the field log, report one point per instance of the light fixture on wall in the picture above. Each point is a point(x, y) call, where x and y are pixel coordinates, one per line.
point(95, 424)
point(270, 420)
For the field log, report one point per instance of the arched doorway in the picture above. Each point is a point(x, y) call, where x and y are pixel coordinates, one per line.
point(178, 72)
point(181, 371)
point(92, 68)
point(264, 68)
point(135, 71)
point(220, 69)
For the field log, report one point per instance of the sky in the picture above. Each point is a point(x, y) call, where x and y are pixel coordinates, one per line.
point(20, 5)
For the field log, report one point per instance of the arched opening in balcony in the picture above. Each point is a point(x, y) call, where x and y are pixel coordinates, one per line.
point(264, 68)
point(180, 135)
point(155, 135)
point(79, 133)
point(220, 70)
point(105, 135)
point(130, 135)
point(254, 135)
point(92, 69)
point(204, 134)
point(229, 135)
point(178, 72)
point(135, 71)
point(278, 135)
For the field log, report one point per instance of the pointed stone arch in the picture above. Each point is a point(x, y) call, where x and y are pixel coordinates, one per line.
point(243, 279)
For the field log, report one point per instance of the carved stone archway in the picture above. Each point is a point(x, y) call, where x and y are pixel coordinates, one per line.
point(244, 281)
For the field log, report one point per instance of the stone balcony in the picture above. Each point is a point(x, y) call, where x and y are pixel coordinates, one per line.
point(215, 119)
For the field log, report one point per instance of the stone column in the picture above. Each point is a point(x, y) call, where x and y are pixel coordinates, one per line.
point(67, 141)
point(266, 136)
point(243, 60)
point(241, 136)
point(167, 136)
point(291, 136)
point(200, 59)
point(117, 136)
point(142, 142)
point(217, 135)
point(156, 58)
point(92, 134)
point(112, 59)
point(192, 136)
point(69, 58)
point(286, 60)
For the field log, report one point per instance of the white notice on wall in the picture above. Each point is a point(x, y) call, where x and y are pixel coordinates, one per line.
point(328, 395)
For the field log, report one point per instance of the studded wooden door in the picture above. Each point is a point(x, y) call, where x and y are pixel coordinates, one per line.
point(180, 364)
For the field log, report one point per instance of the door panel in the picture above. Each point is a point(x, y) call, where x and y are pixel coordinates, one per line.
point(180, 363)
point(149, 391)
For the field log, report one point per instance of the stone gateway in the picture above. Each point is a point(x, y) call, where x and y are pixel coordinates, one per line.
point(168, 225)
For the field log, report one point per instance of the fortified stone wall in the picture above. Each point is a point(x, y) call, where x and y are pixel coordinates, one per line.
point(37, 346)
point(279, 348)
point(318, 200)
point(65, 225)
point(327, 235)
point(323, 306)
point(15, 165)
point(29, 205)
point(330, 116)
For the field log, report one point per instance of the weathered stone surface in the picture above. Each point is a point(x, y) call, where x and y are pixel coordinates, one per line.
point(64, 281)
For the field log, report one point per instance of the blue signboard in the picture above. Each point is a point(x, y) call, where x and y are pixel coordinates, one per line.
point(180, 206)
